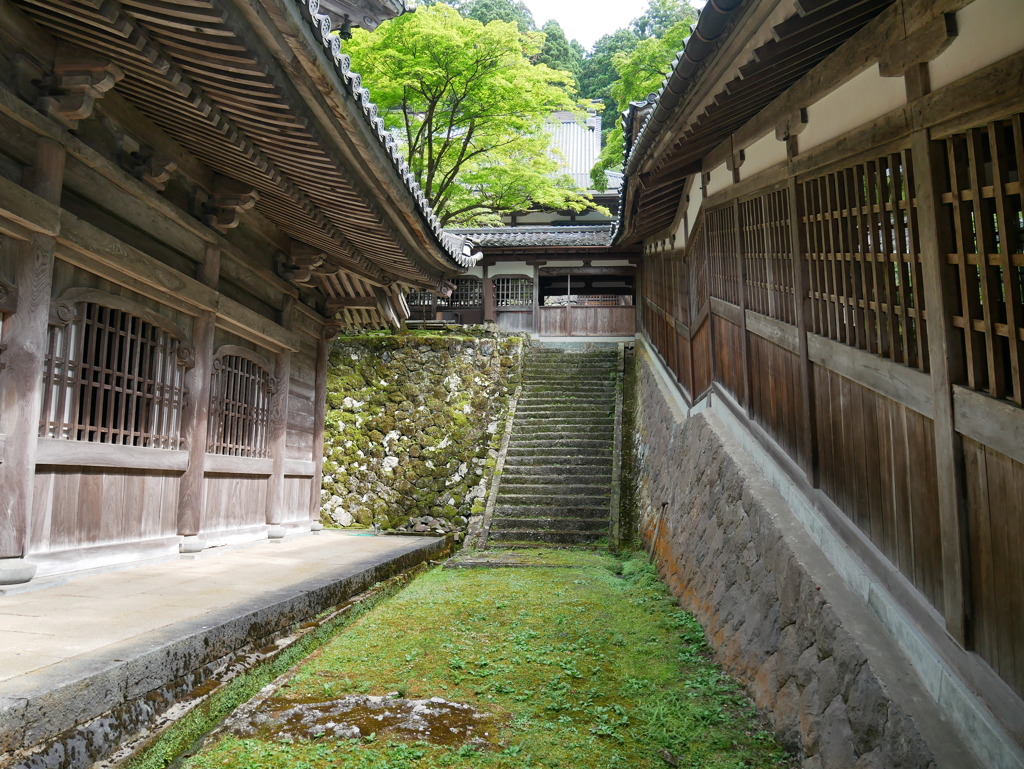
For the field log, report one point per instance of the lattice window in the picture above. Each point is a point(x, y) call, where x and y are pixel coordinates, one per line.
point(713, 260)
point(864, 266)
point(240, 398)
point(983, 206)
point(468, 294)
point(417, 298)
point(111, 376)
point(767, 255)
point(513, 292)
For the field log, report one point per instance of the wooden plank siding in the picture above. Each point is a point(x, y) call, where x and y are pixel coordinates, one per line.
point(725, 310)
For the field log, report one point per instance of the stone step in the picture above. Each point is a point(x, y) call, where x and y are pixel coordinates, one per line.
point(550, 411)
point(544, 475)
point(554, 432)
point(551, 524)
point(597, 422)
point(554, 496)
point(563, 511)
point(543, 456)
point(561, 443)
point(564, 537)
point(544, 505)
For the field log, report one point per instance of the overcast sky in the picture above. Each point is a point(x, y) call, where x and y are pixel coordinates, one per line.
point(587, 20)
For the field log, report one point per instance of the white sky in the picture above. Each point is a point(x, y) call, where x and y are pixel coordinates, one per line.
point(587, 20)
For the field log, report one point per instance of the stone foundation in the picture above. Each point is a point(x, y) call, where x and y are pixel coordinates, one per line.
point(836, 688)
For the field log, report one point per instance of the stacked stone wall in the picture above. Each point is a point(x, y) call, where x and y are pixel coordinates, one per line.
point(413, 424)
point(765, 594)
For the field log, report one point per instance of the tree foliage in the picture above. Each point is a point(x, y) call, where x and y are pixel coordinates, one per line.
point(558, 53)
point(469, 107)
point(513, 11)
point(641, 70)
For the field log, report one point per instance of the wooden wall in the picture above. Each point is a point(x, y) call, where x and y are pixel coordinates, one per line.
point(815, 306)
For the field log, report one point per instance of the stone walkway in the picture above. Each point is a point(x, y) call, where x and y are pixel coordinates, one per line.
point(73, 651)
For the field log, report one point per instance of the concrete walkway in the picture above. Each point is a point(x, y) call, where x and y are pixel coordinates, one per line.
point(123, 632)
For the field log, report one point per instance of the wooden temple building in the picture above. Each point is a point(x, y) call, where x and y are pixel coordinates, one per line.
point(827, 196)
point(194, 198)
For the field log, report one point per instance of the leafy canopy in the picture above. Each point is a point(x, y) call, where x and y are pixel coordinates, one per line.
point(641, 70)
point(469, 107)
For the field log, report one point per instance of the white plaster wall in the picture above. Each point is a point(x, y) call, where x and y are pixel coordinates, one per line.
point(987, 31)
point(510, 268)
point(855, 103)
point(475, 271)
point(764, 153)
point(721, 177)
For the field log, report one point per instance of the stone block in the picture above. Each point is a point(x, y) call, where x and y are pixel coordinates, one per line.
point(835, 746)
point(868, 709)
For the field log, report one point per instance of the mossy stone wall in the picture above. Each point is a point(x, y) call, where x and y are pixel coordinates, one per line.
point(413, 425)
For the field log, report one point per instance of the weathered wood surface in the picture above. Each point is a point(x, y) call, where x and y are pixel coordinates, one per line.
point(22, 359)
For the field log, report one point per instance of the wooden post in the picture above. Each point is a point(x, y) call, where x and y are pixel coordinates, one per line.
point(802, 310)
point(742, 276)
point(21, 375)
point(279, 431)
point(947, 365)
point(323, 349)
point(488, 297)
point(195, 419)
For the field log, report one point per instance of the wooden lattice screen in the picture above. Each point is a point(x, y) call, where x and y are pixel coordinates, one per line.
point(417, 298)
point(698, 287)
point(983, 204)
point(513, 292)
point(468, 294)
point(112, 377)
point(864, 265)
point(240, 399)
point(723, 259)
point(768, 255)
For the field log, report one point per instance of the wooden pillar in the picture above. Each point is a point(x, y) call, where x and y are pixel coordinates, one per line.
point(947, 366)
point(802, 310)
point(279, 431)
point(742, 276)
point(195, 420)
point(488, 296)
point(21, 374)
point(323, 349)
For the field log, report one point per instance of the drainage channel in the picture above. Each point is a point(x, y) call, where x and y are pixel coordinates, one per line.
point(243, 684)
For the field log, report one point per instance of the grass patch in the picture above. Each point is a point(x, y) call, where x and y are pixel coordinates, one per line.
point(587, 667)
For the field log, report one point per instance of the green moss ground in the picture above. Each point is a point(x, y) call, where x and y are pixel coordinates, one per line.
point(588, 664)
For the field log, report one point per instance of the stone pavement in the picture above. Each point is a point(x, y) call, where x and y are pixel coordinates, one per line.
point(73, 652)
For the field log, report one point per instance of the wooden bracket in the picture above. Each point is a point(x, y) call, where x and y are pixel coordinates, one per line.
point(149, 168)
point(224, 207)
point(919, 47)
point(790, 128)
point(304, 265)
point(444, 288)
point(78, 79)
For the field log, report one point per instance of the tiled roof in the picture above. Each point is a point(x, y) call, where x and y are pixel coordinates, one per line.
point(539, 236)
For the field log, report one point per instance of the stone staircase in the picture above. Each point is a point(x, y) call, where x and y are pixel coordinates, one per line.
point(556, 484)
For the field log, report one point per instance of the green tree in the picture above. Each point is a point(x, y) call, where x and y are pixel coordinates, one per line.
point(640, 72)
point(598, 71)
point(558, 53)
point(486, 11)
point(469, 107)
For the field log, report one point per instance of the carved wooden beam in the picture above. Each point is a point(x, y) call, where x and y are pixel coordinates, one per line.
point(336, 303)
point(78, 79)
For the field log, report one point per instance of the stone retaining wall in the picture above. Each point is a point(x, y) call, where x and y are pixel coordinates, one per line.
point(810, 654)
point(413, 425)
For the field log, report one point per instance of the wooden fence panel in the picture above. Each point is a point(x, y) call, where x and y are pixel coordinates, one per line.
point(768, 255)
point(775, 393)
point(995, 494)
point(877, 460)
point(728, 354)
